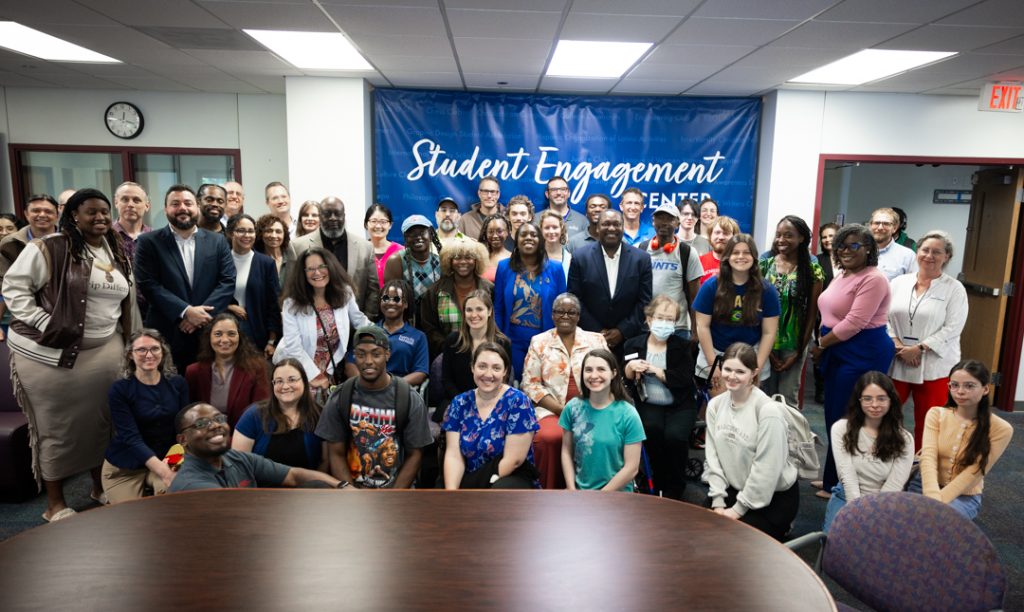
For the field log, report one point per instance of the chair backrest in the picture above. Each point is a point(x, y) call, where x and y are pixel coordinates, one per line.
point(436, 390)
point(904, 551)
point(8, 403)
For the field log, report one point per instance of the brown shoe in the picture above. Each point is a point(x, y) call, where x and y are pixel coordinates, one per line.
point(823, 495)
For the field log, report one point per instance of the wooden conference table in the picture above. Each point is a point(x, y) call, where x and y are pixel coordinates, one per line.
point(400, 550)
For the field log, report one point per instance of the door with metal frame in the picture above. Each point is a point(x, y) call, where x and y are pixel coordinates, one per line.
point(988, 264)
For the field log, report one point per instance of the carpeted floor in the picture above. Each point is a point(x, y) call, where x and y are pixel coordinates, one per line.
point(1000, 516)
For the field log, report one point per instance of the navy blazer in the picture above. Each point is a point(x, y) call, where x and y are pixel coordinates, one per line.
point(160, 275)
point(262, 290)
point(588, 280)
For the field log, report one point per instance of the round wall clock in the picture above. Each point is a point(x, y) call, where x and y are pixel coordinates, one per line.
point(123, 119)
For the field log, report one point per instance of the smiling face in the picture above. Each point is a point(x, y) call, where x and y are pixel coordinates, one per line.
point(146, 354)
point(595, 206)
point(557, 193)
point(393, 305)
point(181, 209)
point(378, 225)
point(932, 256)
point(826, 239)
point(224, 339)
point(463, 267)
point(874, 401)
point(566, 316)
point(665, 226)
point(371, 361)
point(476, 314)
point(212, 439)
point(609, 229)
point(310, 219)
point(417, 239)
point(273, 235)
point(93, 219)
point(551, 229)
point(632, 205)
point(708, 213)
point(741, 259)
point(687, 217)
point(211, 203)
point(496, 234)
point(528, 240)
point(787, 238)
point(447, 217)
point(737, 376)
point(42, 217)
point(236, 198)
point(518, 214)
point(720, 237)
point(243, 236)
point(317, 274)
point(7, 227)
point(288, 387)
point(488, 192)
point(488, 371)
point(131, 203)
point(852, 253)
point(278, 200)
point(883, 227)
point(597, 374)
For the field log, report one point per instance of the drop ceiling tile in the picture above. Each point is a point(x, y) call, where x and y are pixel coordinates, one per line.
point(388, 21)
point(1012, 46)
point(1014, 74)
point(36, 14)
point(974, 63)
point(430, 46)
point(756, 74)
point(407, 63)
point(792, 57)
point(85, 81)
point(622, 28)
point(269, 84)
point(951, 38)
point(703, 31)
point(270, 16)
point(513, 82)
point(887, 11)
point(152, 83)
point(166, 13)
point(524, 5)
point(387, 3)
point(484, 55)
point(697, 55)
point(448, 80)
point(13, 79)
point(954, 91)
point(840, 35)
point(671, 72)
point(245, 62)
point(722, 89)
point(570, 85)
point(671, 8)
point(759, 9)
point(123, 43)
point(503, 24)
point(989, 13)
point(224, 85)
point(651, 86)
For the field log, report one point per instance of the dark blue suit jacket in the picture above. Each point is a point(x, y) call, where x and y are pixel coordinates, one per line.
point(262, 290)
point(588, 280)
point(160, 275)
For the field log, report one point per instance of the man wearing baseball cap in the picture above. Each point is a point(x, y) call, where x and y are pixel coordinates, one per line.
point(675, 267)
point(375, 424)
point(419, 263)
point(447, 216)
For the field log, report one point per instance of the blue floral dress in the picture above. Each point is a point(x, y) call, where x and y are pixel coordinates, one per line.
point(481, 440)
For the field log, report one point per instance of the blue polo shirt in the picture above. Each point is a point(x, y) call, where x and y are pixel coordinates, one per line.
point(409, 351)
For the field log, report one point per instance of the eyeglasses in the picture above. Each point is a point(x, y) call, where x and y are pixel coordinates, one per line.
point(142, 351)
point(291, 381)
point(206, 422)
point(315, 269)
point(385, 299)
point(853, 246)
point(883, 223)
point(881, 399)
point(245, 232)
point(566, 313)
point(558, 189)
point(378, 222)
point(954, 386)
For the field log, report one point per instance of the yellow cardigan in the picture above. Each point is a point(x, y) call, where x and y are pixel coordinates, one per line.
point(944, 438)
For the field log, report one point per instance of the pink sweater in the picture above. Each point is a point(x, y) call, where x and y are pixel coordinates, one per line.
point(854, 302)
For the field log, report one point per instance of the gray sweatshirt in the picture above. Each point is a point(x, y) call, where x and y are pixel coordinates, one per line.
point(745, 453)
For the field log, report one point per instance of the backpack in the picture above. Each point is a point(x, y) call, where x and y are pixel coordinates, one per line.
point(402, 399)
point(803, 443)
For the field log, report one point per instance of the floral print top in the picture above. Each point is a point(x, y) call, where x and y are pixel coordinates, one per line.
point(481, 440)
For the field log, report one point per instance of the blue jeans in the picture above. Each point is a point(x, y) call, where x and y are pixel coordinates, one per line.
point(835, 504)
point(967, 505)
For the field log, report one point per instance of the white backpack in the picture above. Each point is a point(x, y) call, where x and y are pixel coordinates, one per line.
point(803, 443)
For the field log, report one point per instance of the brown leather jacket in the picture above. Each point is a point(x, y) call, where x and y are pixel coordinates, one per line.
point(64, 298)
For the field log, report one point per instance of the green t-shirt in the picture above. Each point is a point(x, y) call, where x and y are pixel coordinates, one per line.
point(788, 336)
point(599, 438)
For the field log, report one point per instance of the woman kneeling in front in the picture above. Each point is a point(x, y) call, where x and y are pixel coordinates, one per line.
point(747, 470)
point(489, 430)
point(601, 443)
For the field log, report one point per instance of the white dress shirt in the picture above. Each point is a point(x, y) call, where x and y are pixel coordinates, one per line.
point(611, 266)
point(935, 318)
point(187, 248)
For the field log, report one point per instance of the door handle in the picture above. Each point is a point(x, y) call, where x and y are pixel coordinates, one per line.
point(979, 288)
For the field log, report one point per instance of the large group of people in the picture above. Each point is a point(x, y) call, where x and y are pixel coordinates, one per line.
point(565, 351)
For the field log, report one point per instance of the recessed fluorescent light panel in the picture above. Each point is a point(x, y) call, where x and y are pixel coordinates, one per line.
point(22, 39)
point(870, 65)
point(312, 50)
point(594, 59)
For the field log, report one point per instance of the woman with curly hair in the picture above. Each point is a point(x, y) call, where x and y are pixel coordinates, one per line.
point(494, 234)
point(229, 373)
point(272, 240)
point(462, 265)
point(143, 405)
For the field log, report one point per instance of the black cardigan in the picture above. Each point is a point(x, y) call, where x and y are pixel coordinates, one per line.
point(679, 370)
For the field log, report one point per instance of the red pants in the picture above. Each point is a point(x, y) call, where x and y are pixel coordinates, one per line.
point(547, 453)
point(928, 394)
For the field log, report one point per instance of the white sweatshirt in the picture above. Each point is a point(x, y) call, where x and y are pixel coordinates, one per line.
point(864, 473)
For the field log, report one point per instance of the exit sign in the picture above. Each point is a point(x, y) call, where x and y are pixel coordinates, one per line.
point(1002, 97)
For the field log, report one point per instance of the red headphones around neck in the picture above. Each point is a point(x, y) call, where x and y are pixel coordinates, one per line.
point(668, 247)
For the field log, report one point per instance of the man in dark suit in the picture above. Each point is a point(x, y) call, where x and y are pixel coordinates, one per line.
point(185, 273)
point(354, 252)
point(612, 281)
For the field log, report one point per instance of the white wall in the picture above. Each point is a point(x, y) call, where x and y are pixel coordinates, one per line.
point(254, 124)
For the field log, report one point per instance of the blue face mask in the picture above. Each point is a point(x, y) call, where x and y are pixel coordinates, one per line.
point(663, 329)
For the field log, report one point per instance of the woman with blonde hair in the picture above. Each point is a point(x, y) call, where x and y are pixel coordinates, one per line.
point(462, 267)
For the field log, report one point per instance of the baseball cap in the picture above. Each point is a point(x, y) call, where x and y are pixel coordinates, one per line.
point(668, 209)
point(447, 199)
point(373, 335)
point(415, 220)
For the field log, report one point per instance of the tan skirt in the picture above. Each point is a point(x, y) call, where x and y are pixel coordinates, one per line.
point(67, 410)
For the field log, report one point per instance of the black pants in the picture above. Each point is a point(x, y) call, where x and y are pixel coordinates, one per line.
point(668, 445)
point(776, 518)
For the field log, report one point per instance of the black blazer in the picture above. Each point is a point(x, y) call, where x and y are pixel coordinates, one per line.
point(679, 370)
point(262, 291)
point(588, 280)
point(825, 261)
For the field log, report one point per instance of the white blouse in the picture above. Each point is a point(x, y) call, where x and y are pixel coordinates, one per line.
point(935, 318)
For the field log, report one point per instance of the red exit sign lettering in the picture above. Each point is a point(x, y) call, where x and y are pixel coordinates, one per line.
point(1002, 97)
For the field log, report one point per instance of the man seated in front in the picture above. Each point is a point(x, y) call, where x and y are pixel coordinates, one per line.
point(210, 463)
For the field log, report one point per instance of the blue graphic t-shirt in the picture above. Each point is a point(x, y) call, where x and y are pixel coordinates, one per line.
point(481, 440)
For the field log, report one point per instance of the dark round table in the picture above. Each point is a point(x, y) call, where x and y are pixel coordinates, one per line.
point(262, 549)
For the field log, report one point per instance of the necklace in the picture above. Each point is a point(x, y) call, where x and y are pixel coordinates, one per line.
point(104, 266)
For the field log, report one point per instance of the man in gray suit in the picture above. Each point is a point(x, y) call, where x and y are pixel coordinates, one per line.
point(354, 253)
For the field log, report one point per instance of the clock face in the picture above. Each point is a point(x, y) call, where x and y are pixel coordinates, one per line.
point(123, 119)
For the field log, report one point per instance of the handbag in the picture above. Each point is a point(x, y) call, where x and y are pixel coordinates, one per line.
point(337, 377)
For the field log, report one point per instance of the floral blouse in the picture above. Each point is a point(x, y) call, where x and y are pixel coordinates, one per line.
point(546, 370)
point(481, 440)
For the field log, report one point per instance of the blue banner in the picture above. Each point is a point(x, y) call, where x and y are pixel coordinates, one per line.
point(431, 144)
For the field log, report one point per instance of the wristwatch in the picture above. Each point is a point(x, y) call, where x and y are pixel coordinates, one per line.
point(342, 484)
